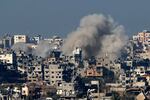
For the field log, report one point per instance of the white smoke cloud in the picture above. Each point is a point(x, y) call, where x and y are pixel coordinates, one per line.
point(43, 49)
point(22, 46)
point(96, 34)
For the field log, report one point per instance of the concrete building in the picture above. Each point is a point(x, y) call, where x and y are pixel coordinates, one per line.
point(37, 39)
point(140, 96)
point(7, 42)
point(92, 71)
point(77, 54)
point(140, 70)
point(36, 74)
point(20, 38)
point(66, 89)
point(25, 90)
point(122, 78)
point(145, 55)
point(143, 37)
point(31, 91)
point(53, 74)
point(7, 58)
point(139, 84)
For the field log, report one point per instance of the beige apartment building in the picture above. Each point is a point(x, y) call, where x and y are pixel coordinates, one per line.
point(36, 74)
point(143, 37)
point(53, 74)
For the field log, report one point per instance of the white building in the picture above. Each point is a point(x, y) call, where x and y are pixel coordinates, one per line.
point(37, 39)
point(7, 58)
point(25, 90)
point(20, 38)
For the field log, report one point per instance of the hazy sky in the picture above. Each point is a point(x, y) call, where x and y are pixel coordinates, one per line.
point(49, 17)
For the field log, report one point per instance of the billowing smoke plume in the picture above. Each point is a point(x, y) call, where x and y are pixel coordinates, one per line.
point(96, 35)
point(43, 49)
point(22, 47)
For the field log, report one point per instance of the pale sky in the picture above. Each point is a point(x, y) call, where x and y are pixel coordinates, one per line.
point(48, 17)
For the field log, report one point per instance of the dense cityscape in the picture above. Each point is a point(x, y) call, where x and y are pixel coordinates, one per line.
point(74, 50)
point(35, 68)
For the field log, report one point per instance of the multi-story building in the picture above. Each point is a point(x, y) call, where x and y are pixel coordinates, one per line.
point(7, 42)
point(77, 54)
point(140, 70)
point(142, 37)
point(92, 72)
point(20, 38)
point(66, 89)
point(25, 90)
point(7, 58)
point(36, 74)
point(37, 39)
point(53, 74)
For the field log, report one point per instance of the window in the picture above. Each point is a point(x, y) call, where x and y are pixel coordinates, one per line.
point(52, 76)
point(24, 91)
point(69, 84)
point(71, 91)
point(46, 71)
point(59, 72)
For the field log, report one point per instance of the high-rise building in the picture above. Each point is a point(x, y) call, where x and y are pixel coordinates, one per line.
point(53, 74)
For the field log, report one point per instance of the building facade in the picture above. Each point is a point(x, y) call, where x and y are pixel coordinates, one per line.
point(20, 38)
